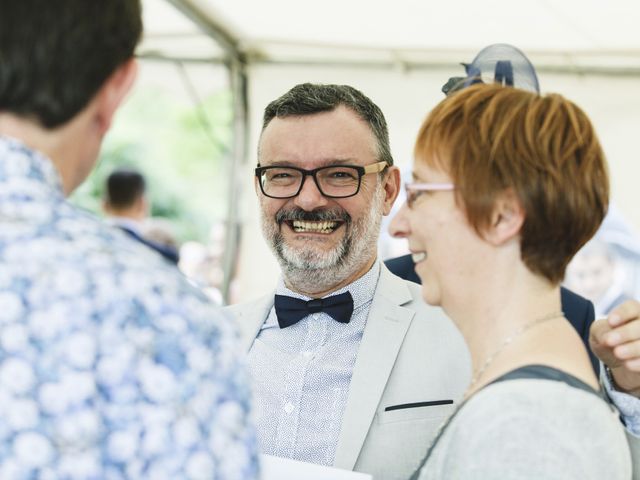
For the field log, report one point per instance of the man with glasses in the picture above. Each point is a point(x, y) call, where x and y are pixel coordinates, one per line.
point(350, 367)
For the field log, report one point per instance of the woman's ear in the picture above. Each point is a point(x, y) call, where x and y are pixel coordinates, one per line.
point(506, 219)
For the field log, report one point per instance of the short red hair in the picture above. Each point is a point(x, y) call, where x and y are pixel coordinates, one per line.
point(490, 138)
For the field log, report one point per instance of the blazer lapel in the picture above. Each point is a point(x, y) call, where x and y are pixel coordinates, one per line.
point(250, 317)
point(383, 336)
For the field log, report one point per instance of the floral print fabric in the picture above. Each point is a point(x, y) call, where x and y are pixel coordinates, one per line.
point(111, 365)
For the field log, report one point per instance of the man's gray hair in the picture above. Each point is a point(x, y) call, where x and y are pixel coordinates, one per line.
point(310, 98)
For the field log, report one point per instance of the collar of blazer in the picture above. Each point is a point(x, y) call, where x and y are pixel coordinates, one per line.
point(384, 333)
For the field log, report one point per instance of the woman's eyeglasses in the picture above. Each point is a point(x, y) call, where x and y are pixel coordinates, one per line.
point(415, 189)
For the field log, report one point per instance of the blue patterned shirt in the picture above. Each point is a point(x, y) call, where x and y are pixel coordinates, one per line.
point(302, 375)
point(111, 365)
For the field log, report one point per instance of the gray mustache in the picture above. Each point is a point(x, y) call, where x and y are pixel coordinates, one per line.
point(314, 216)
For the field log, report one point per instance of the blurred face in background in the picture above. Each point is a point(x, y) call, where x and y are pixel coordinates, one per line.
point(591, 273)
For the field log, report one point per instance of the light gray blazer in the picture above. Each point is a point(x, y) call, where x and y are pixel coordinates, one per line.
point(410, 353)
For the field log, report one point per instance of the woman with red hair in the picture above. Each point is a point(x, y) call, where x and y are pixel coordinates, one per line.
point(507, 186)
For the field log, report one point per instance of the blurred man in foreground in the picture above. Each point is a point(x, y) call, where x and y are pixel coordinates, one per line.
point(111, 365)
point(126, 206)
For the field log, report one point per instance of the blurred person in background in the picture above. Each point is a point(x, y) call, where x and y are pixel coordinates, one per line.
point(202, 269)
point(161, 231)
point(595, 273)
point(126, 207)
point(111, 364)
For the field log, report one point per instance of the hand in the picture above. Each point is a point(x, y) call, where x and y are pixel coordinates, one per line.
point(616, 341)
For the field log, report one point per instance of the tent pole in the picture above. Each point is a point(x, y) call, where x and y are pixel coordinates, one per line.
point(237, 68)
point(208, 25)
point(239, 158)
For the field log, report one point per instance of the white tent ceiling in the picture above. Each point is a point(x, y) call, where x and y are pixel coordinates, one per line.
point(169, 33)
point(400, 53)
point(577, 34)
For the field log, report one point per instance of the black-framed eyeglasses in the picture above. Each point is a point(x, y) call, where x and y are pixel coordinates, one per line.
point(333, 181)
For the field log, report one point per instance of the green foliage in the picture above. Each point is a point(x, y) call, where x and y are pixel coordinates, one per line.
point(182, 150)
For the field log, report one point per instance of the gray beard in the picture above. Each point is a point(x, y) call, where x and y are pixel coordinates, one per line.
point(309, 270)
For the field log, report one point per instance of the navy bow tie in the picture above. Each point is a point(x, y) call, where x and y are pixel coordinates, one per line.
point(291, 310)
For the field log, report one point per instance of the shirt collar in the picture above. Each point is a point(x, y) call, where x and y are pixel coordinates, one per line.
point(19, 162)
point(362, 289)
point(124, 222)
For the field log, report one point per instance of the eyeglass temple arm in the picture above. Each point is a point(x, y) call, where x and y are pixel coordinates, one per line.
point(425, 187)
point(376, 167)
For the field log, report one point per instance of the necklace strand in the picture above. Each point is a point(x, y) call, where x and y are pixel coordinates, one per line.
point(514, 335)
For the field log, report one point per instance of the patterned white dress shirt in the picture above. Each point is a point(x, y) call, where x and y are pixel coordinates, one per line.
point(302, 374)
point(627, 405)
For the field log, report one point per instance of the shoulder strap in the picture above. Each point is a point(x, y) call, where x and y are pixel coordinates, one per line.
point(538, 372)
point(542, 372)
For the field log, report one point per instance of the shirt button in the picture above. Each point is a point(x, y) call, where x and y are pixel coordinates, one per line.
point(289, 407)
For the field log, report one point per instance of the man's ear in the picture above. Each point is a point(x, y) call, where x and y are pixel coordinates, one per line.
point(506, 219)
point(391, 188)
point(113, 91)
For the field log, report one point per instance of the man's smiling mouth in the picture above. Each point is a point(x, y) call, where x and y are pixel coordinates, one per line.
point(302, 226)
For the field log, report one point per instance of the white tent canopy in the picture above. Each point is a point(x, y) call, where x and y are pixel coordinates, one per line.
point(566, 34)
point(400, 53)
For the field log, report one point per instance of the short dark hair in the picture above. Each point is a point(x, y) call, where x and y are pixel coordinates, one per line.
point(124, 187)
point(310, 98)
point(55, 55)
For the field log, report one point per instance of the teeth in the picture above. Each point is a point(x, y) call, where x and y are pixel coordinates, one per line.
point(316, 227)
point(418, 257)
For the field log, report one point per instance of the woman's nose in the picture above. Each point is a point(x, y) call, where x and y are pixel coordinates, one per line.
point(399, 226)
